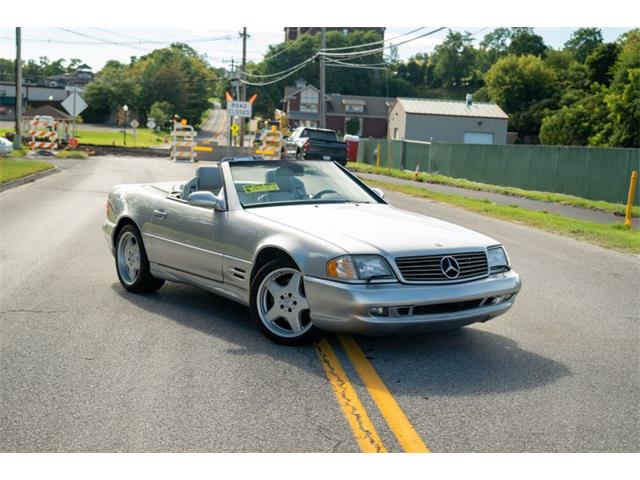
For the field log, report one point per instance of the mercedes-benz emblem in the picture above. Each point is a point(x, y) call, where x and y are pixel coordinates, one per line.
point(450, 267)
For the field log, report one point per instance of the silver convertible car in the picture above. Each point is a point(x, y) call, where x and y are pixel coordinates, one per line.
point(306, 245)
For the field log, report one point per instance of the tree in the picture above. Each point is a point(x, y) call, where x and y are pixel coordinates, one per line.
point(414, 71)
point(352, 126)
point(601, 61)
point(523, 86)
point(525, 42)
point(7, 69)
point(628, 58)
point(161, 112)
point(112, 87)
point(624, 106)
point(494, 45)
point(454, 60)
point(578, 124)
point(583, 42)
point(571, 74)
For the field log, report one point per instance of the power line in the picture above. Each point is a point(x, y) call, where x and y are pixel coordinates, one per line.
point(376, 42)
point(261, 84)
point(140, 41)
point(92, 37)
point(271, 75)
point(288, 72)
point(380, 49)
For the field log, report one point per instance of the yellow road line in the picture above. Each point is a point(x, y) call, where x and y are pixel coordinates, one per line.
point(389, 408)
point(368, 439)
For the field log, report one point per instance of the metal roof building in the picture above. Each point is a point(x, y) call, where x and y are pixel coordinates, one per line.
point(448, 121)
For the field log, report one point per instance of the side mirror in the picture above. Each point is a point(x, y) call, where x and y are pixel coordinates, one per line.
point(378, 192)
point(206, 199)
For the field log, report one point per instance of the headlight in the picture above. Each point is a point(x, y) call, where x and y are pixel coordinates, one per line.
point(498, 261)
point(359, 267)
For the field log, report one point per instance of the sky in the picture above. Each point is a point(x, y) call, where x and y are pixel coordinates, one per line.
point(95, 45)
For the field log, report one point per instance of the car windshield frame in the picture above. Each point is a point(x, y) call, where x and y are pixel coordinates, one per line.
point(368, 195)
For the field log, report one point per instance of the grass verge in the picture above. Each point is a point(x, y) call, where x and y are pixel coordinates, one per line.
point(108, 137)
point(613, 236)
point(560, 198)
point(11, 169)
point(144, 137)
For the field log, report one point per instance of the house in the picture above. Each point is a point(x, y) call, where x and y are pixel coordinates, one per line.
point(301, 102)
point(448, 121)
point(32, 96)
point(367, 116)
point(358, 114)
point(293, 33)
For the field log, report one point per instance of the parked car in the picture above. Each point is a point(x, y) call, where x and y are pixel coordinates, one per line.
point(6, 147)
point(306, 143)
point(306, 246)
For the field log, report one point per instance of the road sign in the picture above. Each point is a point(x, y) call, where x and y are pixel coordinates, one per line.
point(239, 109)
point(134, 123)
point(235, 129)
point(151, 124)
point(74, 104)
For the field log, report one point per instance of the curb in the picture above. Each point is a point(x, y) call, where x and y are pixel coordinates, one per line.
point(28, 179)
point(127, 151)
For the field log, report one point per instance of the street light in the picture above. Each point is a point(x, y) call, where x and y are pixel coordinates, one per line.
point(126, 110)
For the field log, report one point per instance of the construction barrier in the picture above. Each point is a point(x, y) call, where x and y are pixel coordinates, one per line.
point(183, 143)
point(271, 147)
point(44, 134)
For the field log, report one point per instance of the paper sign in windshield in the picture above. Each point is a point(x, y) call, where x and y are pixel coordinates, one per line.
point(263, 187)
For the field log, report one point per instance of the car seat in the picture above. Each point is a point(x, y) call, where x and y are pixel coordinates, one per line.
point(207, 178)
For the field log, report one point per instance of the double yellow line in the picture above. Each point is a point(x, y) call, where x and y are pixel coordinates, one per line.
point(355, 413)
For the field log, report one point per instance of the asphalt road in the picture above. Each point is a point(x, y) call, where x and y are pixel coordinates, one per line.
point(85, 366)
point(214, 128)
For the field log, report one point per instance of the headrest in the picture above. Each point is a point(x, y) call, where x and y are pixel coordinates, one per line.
point(209, 178)
point(285, 179)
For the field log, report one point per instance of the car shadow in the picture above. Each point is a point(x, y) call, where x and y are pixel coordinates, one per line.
point(466, 361)
point(462, 362)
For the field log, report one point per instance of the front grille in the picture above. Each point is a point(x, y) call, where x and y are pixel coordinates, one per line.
point(427, 268)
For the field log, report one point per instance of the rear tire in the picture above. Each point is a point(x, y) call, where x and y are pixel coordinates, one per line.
point(279, 304)
point(132, 264)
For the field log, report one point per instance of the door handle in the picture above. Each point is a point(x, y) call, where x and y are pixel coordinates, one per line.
point(161, 214)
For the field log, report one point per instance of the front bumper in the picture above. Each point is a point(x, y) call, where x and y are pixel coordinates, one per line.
point(345, 307)
point(107, 229)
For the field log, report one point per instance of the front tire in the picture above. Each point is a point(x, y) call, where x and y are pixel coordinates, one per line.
point(279, 304)
point(132, 264)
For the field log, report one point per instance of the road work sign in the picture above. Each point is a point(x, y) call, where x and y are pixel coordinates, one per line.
point(74, 104)
point(239, 109)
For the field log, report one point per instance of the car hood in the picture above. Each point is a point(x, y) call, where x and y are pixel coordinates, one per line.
point(376, 228)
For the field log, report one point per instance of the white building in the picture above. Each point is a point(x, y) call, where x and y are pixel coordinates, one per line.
point(448, 121)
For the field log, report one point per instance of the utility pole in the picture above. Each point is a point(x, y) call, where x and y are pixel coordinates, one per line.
point(243, 87)
point(229, 117)
point(323, 107)
point(17, 141)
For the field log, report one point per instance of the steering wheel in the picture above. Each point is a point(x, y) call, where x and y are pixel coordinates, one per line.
point(321, 193)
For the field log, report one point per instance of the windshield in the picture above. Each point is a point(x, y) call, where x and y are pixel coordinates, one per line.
point(326, 135)
point(260, 184)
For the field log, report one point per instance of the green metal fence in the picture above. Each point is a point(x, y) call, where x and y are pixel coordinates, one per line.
point(594, 173)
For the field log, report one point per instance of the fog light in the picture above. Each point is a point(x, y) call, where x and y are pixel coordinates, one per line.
point(501, 299)
point(379, 311)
